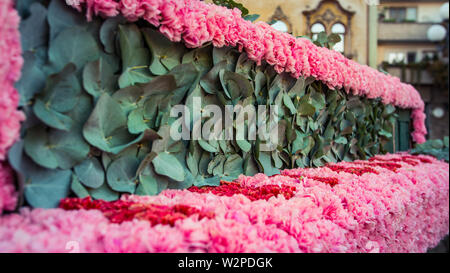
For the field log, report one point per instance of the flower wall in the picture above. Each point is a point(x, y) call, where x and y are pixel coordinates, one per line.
point(391, 203)
point(83, 73)
point(10, 54)
point(10, 117)
point(197, 23)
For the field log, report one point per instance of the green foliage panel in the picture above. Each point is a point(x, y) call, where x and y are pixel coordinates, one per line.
point(436, 147)
point(98, 96)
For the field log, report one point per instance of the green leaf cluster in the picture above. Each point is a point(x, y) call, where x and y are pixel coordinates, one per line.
point(231, 5)
point(98, 96)
point(437, 147)
point(325, 40)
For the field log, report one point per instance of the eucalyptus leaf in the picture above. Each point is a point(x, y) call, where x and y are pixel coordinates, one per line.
point(289, 104)
point(233, 166)
point(200, 58)
point(227, 54)
point(168, 165)
point(54, 148)
point(150, 183)
point(42, 188)
point(106, 128)
point(210, 82)
point(104, 193)
point(165, 54)
point(46, 188)
point(121, 174)
point(61, 16)
point(99, 78)
point(108, 32)
point(59, 96)
point(76, 187)
point(32, 80)
point(90, 172)
point(266, 163)
point(135, 58)
point(73, 45)
point(207, 146)
point(235, 85)
point(34, 30)
point(186, 75)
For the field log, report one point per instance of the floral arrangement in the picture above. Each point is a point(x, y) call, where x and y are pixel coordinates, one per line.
point(125, 54)
point(197, 23)
point(99, 112)
point(396, 205)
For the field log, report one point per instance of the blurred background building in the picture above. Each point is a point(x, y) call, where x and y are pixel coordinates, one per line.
point(407, 39)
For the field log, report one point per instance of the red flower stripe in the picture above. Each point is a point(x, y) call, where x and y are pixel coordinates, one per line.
point(352, 170)
point(386, 165)
point(332, 181)
point(327, 180)
point(408, 159)
point(121, 211)
point(420, 158)
point(253, 193)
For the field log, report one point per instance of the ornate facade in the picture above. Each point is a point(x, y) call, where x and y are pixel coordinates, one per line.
point(348, 18)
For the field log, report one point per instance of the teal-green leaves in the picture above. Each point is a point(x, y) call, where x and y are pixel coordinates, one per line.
point(50, 105)
point(99, 78)
point(165, 54)
point(34, 29)
point(74, 45)
point(32, 80)
point(121, 174)
point(235, 85)
point(45, 188)
point(135, 57)
point(55, 149)
point(168, 165)
point(90, 173)
point(436, 147)
point(106, 128)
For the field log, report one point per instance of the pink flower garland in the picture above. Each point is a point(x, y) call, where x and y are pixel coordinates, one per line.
point(10, 66)
point(196, 23)
point(10, 118)
point(406, 210)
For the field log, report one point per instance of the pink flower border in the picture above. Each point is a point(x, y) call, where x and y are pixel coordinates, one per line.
point(10, 66)
point(10, 117)
point(196, 23)
point(402, 211)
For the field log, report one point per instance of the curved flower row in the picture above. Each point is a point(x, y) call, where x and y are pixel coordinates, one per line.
point(196, 23)
point(376, 209)
point(10, 66)
point(121, 211)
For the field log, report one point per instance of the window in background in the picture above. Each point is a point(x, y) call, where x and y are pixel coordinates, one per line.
point(411, 14)
point(428, 55)
point(402, 14)
point(339, 29)
point(411, 57)
point(397, 14)
point(280, 25)
point(396, 57)
point(330, 17)
point(316, 29)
